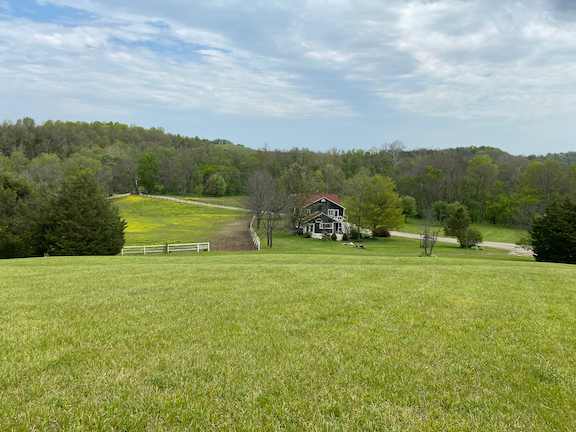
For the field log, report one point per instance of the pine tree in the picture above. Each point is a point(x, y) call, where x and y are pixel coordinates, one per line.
point(82, 221)
point(554, 234)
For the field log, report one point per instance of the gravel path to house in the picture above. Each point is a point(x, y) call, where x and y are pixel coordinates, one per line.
point(510, 247)
point(197, 203)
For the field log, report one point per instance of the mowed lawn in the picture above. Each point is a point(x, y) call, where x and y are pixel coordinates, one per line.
point(490, 232)
point(288, 341)
point(152, 221)
point(284, 242)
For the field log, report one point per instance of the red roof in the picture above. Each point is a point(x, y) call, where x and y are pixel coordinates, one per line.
point(317, 197)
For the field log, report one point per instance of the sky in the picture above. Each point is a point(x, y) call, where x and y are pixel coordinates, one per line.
point(321, 74)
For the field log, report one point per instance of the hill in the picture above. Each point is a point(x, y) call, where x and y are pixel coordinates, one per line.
point(336, 340)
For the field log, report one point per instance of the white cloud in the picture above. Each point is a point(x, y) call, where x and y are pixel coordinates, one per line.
point(463, 59)
point(114, 61)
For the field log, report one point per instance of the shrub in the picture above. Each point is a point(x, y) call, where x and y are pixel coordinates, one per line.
point(554, 234)
point(307, 235)
point(458, 220)
point(355, 235)
point(334, 237)
point(381, 232)
point(469, 238)
point(345, 237)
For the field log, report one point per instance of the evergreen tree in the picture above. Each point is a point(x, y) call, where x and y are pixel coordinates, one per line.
point(554, 234)
point(82, 221)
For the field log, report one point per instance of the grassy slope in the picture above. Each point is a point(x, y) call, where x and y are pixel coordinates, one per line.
point(324, 341)
point(155, 222)
point(489, 232)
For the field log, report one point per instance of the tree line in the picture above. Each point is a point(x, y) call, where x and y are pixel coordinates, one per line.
point(495, 186)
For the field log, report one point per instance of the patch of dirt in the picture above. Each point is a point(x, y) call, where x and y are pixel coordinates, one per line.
point(234, 236)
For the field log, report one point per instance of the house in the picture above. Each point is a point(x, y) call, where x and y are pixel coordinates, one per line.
point(323, 214)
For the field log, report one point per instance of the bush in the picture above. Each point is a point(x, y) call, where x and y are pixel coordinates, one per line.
point(458, 220)
point(334, 237)
point(355, 235)
point(381, 232)
point(307, 235)
point(345, 237)
point(469, 238)
point(553, 235)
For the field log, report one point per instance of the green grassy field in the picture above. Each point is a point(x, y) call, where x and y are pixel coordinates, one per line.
point(156, 222)
point(311, 335)
point(340, 340)
point(489, 232)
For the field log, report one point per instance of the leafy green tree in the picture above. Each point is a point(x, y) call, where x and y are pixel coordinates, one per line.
point(480, 184)
point(545, 180)
point(553, 235)
point(373, 202)
point(440, 210)
point(149, 172)
point(409, 206)
point(215, 186)
point(22, 212)
point(82, 221)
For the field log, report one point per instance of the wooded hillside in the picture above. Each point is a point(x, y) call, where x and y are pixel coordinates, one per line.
point(496, 186)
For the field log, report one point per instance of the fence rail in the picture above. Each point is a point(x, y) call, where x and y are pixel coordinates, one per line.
point(166, 249)
point(254, 234)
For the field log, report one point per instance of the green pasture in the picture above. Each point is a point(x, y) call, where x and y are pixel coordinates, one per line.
point(152, 221)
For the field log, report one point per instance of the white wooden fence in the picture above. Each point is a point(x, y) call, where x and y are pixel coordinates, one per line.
point(166, 249)
point(254, 234)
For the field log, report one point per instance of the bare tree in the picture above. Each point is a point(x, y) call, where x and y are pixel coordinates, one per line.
point(267, 200)
point(260, 187)
point(276, 203)
point(429, 236)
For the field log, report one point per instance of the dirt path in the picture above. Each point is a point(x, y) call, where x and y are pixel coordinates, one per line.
point(197, 203)
point(234, 236)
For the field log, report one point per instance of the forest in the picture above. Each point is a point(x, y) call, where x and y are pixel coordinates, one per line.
point(495, 186)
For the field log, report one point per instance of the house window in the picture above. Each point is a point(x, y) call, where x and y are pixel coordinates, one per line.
point(333, 213)
point(326, 226)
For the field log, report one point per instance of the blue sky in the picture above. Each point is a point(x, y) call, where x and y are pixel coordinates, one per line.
point(301, 73)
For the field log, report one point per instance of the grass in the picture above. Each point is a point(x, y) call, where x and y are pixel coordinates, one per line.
point(392, 247)
point(311, 335)
point(155, 222)
point(288, 341)
point(231, 201)
point(490, 232)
